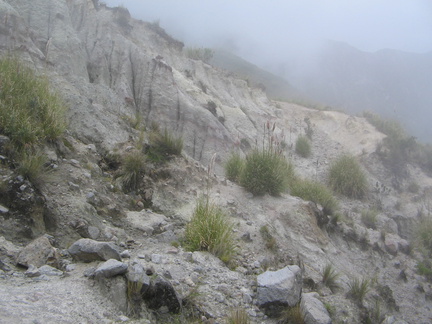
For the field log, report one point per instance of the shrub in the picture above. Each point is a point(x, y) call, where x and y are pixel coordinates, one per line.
point(266, 171)
point(315, 192)
point(329, 277)
point(210, 230)
point(238, 316)
point(347, 178)
point(163, 146)
point(369, 218)
point(131, 171)
point(303, 147)
point(234, 167)
point(358, 289)
point(29, 112)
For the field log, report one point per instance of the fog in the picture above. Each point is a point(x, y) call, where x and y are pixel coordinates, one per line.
point(270, 33)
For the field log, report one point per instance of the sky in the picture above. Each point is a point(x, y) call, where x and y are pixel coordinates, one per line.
point(268, 32)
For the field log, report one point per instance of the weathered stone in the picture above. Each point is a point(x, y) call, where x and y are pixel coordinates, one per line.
point(39, 252)
point(278, 289)
point(93, 232)
point(391, 244)
point(50, 271)
point(161, 294)
point(313, 310)
point(32, 271)
point(88, 250)
point(110, 269)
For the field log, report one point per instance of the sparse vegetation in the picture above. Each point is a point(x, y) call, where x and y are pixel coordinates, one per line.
point(347, 178)
point(303, 147)
point(424, 268)
point(329, 277)
point(358, 289)
point(234, 167)
point(210, 230)
point(315, 192)
point(369, 218)
point(163, 146)
point(238, 316)
point(131, 171)
point(30, 113)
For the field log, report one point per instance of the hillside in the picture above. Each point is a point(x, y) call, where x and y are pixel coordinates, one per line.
point(276, 87)
point(101, 236)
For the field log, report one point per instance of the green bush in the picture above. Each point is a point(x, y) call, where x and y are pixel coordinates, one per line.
point(369, 218)
point(234, 167)
point(424, 268)
point(131, 171)
point(303, 147)
point(266, 171)
point(164, 146)
point(315, 192)
point(29, 112)
point(347, 178)
point(210, 230)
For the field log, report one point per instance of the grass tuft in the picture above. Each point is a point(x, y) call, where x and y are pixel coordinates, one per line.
point(210, 230)
point(358, 289)
point(303, 147)
point(30, 113)
point(238, 316)
point(32, 166)
point(266, 171)
point(131, 171)
point(329, 277)
point(369, 218)
point(234, 167)
point(315, 192)
point(292, 315)
point(164, 146)
point(347, 178)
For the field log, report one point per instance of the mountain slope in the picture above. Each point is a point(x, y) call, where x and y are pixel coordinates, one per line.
point(394, 84)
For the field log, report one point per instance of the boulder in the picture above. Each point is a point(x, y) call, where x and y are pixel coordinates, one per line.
point(278, 289)
point(110, 269)
point(38, 253)
point(162, 296)
point(313, 310)
point(88, 250)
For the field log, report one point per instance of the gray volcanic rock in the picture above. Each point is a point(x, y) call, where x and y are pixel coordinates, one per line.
point(38, 253)
point(88, 250)
point(313, 310)
point(110, 268)
point(279, 289)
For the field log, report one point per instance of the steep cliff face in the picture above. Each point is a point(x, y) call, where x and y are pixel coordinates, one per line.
point(109, 66)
